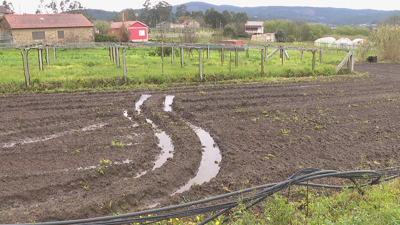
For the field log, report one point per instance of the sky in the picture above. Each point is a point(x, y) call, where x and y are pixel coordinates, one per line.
point(30, 6)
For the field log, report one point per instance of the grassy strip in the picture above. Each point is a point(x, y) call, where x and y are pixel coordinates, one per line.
point(379, 205)
point(76, 69)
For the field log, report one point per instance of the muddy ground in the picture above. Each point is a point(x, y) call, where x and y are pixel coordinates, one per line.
point(76, 155)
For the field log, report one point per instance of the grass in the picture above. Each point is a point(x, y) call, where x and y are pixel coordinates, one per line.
point(76, 69)
point(379, 205)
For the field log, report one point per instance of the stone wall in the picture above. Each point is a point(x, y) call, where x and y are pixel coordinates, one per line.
point(268, 37)
point(71, 35)
point(174, 35)
point(5, 37)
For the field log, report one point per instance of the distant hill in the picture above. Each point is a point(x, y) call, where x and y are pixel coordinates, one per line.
point(329, 16)
point(98, 14)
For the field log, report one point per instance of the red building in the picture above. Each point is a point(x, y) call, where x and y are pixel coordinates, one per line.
point(137, 30)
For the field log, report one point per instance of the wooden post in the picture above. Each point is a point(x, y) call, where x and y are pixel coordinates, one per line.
point(222, 56)
point(172, 55)
point(47, 56)
point(114, 55)
point(118, 58)
point(265, 53)
point(201, 64)
point(247, 53)
point(110, 53)
point(24, 54)
point(40, 57)
point(236, 57)
point(182, 58)
point(313, 60)
point(124, 62)
point(162, 52)
point(208, 51)
point(301, 59)
point(320, 56)
point(262, 62)
point(230, 62)
point(283, 56)
point(352, 61)
point(55, 53)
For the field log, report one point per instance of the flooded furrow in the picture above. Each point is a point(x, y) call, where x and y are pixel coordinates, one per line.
point(140, 102)
point(49, 137)
point(165, 143)
point(168, 103)
point(211, 156)
point(209, 166)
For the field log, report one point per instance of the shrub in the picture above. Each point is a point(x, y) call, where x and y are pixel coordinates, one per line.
point(104, 38)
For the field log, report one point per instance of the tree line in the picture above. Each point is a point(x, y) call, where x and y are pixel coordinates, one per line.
point(300, 30)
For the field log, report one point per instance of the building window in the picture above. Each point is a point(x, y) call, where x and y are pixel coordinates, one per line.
point(142, 33)
point(60, 34)
point(38, 35)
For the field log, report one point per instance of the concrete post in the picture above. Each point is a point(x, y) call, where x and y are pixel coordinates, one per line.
point(201, 64)
point(124, 62)
point(262, 62)
point(182, 58)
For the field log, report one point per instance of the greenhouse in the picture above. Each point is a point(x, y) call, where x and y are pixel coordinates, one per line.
point(325, 42)
point(345, 43)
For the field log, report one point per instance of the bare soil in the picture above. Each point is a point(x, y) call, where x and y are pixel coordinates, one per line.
point(53, 147)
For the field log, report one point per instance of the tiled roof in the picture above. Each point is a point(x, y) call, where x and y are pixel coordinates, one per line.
point(5, 10)
point(117, 25)
point(31, 21)
point(254, 24)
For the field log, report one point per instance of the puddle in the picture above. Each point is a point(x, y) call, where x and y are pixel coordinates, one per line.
point(127, 161)
point(168, 103)
point(317, 85)
point(93, 127)
point(126, 115)
point(49, 137)
point(140, 102)
point(165, 143)
point(208, 166)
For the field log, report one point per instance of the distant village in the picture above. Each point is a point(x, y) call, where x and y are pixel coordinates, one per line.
point(155, 22)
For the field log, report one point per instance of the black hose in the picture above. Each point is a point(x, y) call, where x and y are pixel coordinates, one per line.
point(263, 191)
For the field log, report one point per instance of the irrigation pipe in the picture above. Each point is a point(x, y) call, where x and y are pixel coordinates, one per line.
point(372, 177)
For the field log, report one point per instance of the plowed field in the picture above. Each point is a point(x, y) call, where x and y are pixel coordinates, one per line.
point(79, 155)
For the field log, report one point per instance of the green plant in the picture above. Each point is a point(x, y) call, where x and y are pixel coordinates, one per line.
point(100, 171)
point(105, 162)
point(285, 132)
point(269, 156)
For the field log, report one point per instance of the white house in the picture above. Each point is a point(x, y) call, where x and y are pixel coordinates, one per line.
point(254, 27)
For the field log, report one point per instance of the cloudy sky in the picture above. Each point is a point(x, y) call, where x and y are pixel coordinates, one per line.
point(30, 6)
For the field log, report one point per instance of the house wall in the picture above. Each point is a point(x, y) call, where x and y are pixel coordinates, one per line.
point(270, 37)
point(71, 35)
point(138, 33)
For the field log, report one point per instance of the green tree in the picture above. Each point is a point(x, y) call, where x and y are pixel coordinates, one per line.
point(227, 16)
point(125, 15)
point(230, 31)
point(215, 19)
point(240, 17)
point(392, 20)
point(145, 14)
point(162, 11)
point(63, 7)
point(280, 35)
point(102, 26)
point(181, 11)
point(8, 5)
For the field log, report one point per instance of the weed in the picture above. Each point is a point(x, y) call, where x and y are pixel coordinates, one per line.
point(100, 171)
point(105, 162)
point(285, 132)
point(269, 156)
